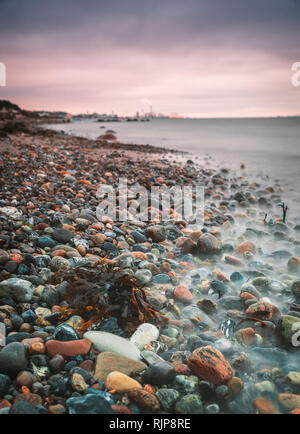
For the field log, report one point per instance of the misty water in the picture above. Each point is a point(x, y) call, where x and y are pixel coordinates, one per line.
point(270, 151)
point(268, 147)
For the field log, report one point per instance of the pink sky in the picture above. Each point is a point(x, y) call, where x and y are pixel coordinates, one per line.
point(125, 62)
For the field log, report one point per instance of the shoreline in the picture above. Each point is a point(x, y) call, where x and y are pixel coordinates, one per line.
point(241, 267)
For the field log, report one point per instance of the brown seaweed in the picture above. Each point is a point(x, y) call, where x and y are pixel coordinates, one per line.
point(101, 292)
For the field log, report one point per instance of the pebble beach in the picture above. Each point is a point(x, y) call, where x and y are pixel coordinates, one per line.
point(134, 317)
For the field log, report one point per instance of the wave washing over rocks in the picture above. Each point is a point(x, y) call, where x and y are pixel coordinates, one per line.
point(129, 318)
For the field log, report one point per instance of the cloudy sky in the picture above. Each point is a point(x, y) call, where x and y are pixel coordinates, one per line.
point(211, 58)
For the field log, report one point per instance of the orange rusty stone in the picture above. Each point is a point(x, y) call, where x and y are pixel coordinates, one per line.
point(209, 364)
point(98, 238)
point(140, 255)
point(58, 253)
point(246, 336)
point(289, 401)
point(36, 348)
point(181, 369)
point(181, 293)
point(68, 348)
point(296, 411)
point(233, 260)
point(264, 406)
point(235, 385)
point(246, 247)
point(150, 389)
point(247, 296)
point(144, 399)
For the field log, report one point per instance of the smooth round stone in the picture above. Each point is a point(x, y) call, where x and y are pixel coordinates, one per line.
point(65, 332)
point(159, 374)
point(13, 359)
point(264, 386)
point(236, 277)
point(125, 260)
point(120, 382)
point(138, 237)
point(161, 278)
point(4, 257)
point(57, 363)
point(23, 407)
point(63, 236)
point(104, 341)
point(29, 316)
point(45, 241)
point(108, 362)
point(50, 296)
point(59, 263)
point(19, 289)
point(89, 404)
point(144, 334)
point(5, 382)
point(189, 384)
point(110, 249)
point(143, 276)
point(167, 398)
point(11, 267)
point(189, 404)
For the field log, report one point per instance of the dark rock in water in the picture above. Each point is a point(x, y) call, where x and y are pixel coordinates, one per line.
point(156, 233)
point(281, 254)
point(296, 288)
point(23, 407)
point(45, 241)
point(167, 397)
point(111, 249)
point(11, 267)
point(18, 337)
point(159, 374)
point(58, 384)
point(111, 325)
point(236, 277)
point(208, 244)
point(63, 236)
point(50, 296)
point(89, 404)
point(189, 404)
point(16, 320)
point(161, 278)
point(231, 302)
point(219, 287)
point(140, 248)
point(19, 289)
point(65, 332)
point(57, 363)
point(138, 237)
point(13, 359)
point(5, 382)
point(29, 316)
point(42, 261)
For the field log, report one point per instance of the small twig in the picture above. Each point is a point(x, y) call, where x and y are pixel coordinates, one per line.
point(284, 211)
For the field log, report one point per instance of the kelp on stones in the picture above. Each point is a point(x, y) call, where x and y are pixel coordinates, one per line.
point(102, 292)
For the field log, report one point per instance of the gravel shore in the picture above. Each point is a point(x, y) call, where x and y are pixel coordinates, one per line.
point(160, 317)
